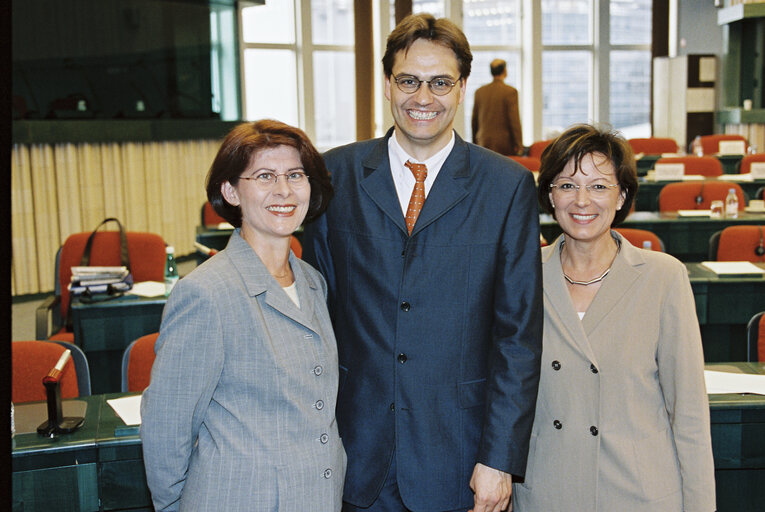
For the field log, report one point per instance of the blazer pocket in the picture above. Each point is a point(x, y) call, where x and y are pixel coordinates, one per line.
point(471, 393)
point(657, 465)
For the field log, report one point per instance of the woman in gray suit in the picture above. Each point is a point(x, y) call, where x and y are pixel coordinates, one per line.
point(240, 412)
point(622, 419)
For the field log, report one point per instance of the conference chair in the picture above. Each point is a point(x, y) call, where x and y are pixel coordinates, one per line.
point(137, 361)
point(146, 252)
point(638, 236)
point(745, 166)
point(536, 149)
point(696, 195)
point(711, 143)
point(531, 163)
point(31, 362)
point(704, 165)
point(755, 338)
point(653, 145)
point(210, 218)
point(738, 243)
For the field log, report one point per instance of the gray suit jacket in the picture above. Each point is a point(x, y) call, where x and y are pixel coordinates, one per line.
point(240, 413)
point(622, 418)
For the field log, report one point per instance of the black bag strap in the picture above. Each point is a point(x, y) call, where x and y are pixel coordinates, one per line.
point(124, 256)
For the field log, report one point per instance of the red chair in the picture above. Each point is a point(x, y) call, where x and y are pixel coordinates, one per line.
point(531, 163)
point(210, 217)
point(755, 339)
point(738, 243)
point(536, 149)
point(147, 263)
point(637, 237)
point(137, 360)
point(711, 143)
point(696, 195)
point(653, 145)
point(745, 166)
point(704, 165)
point(31, 362)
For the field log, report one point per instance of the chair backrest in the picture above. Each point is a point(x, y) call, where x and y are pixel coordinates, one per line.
point(653, 145)
point(755, 338)
point(738, 243)
point(703, 165)
point(711, 143)
point(531, 163)
point(146, 251)
point(137, 360)
point(296, 246)
point(538, 147)
point(637, 236)
point(745, 166)
point(32, 360)
point(683, 196)
point(210, 217)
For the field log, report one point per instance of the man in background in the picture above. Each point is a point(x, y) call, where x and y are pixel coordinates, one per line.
point(496, 121)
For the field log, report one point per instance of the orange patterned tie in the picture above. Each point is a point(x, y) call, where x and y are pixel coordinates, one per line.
point(418, 194)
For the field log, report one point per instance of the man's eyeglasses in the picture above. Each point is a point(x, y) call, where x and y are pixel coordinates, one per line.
point(266, 180)
point(594, 189)
point(440, 86)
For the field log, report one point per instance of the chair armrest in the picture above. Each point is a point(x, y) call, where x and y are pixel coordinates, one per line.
point(43, 313)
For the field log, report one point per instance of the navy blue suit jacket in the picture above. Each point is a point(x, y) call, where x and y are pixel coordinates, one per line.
point(439, 333)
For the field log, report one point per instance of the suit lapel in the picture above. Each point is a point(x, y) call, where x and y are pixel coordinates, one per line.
point(377, 182)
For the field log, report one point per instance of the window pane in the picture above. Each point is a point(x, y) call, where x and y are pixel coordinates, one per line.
point(631, 21)
point(334, 98)
point(566, 90)
point(481, 75)
point(271, 85)
point(566, 21)
point(435, 8)
point(270, 23)
point(332, 21)
point(630, 96)
point(492, 22)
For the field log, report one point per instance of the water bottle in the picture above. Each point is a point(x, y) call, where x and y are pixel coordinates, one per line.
point(696, 147)
point(647, 245)
point(171, 269)
point(731, 205)
point(13, 421)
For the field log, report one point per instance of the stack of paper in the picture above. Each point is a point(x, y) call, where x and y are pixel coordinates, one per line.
point(733, 268)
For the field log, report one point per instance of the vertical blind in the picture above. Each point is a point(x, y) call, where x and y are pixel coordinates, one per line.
point(61, 189)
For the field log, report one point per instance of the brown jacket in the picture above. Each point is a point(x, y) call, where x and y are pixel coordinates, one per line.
point(496, 121)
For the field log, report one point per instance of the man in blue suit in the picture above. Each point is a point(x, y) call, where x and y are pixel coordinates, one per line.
point(431, 253)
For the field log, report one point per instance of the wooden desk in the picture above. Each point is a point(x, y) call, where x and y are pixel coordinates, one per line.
point(104, 329)
point(647, 198)
point(686, 238)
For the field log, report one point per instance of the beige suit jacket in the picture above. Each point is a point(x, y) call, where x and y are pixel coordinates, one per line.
point(496, 121)
point(622, 417)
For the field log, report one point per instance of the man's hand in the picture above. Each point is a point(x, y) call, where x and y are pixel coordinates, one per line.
point(492, 489)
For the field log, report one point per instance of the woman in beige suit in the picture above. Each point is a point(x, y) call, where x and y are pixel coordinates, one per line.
point(622, 418)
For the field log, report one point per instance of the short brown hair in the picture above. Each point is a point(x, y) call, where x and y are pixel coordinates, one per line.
point(236, 153)
point(577, 142)
point(426, 26)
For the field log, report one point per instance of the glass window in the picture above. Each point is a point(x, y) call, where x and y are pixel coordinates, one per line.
point(332, 22)
point(566, 22)
point(566, 85)
point(335, 98)
point(492, 22)
point(273, 22)
point(630, 21)
point(271, 80)
point(630, 94)
point(436, 8)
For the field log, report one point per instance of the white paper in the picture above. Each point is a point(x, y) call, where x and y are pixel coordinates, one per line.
point(128, 409)
point(700, 99)
point(731, 147)
point(707, 69)
point(148, 289)
point(741, 178)
point(225, 225)
point(724, 382)
point(693, 213)
point(669, 171)
point(757, 170)
point(733, 267)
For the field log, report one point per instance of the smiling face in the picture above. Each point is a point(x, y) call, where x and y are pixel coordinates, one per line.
point(584, 215)
point(269, 214)
point(423, 120)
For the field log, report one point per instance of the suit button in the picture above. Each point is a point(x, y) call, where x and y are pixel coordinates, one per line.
point(593, 369)
point(557, 424)
point(324, 438)
point(594, 430)
point(556, 365)
point(402, 358)
point(318, 370)
point(392, 406)
point(319, 404)
point(327, 473)
point(405, 306)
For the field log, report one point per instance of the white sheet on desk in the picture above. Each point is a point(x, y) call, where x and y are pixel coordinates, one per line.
point(128, 409)
point(732, 267)
point(725, 382)
point(148, 289)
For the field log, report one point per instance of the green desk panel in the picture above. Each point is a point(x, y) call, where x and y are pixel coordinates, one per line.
point(64, 488)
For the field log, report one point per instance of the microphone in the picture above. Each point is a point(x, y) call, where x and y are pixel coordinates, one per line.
point(57, 423)
point(207, 251)
point(760, 249)
point(700, 198)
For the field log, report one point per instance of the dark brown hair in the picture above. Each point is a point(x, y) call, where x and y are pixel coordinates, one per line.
point(236, 153)
point(577, 142)
point(425, 26)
